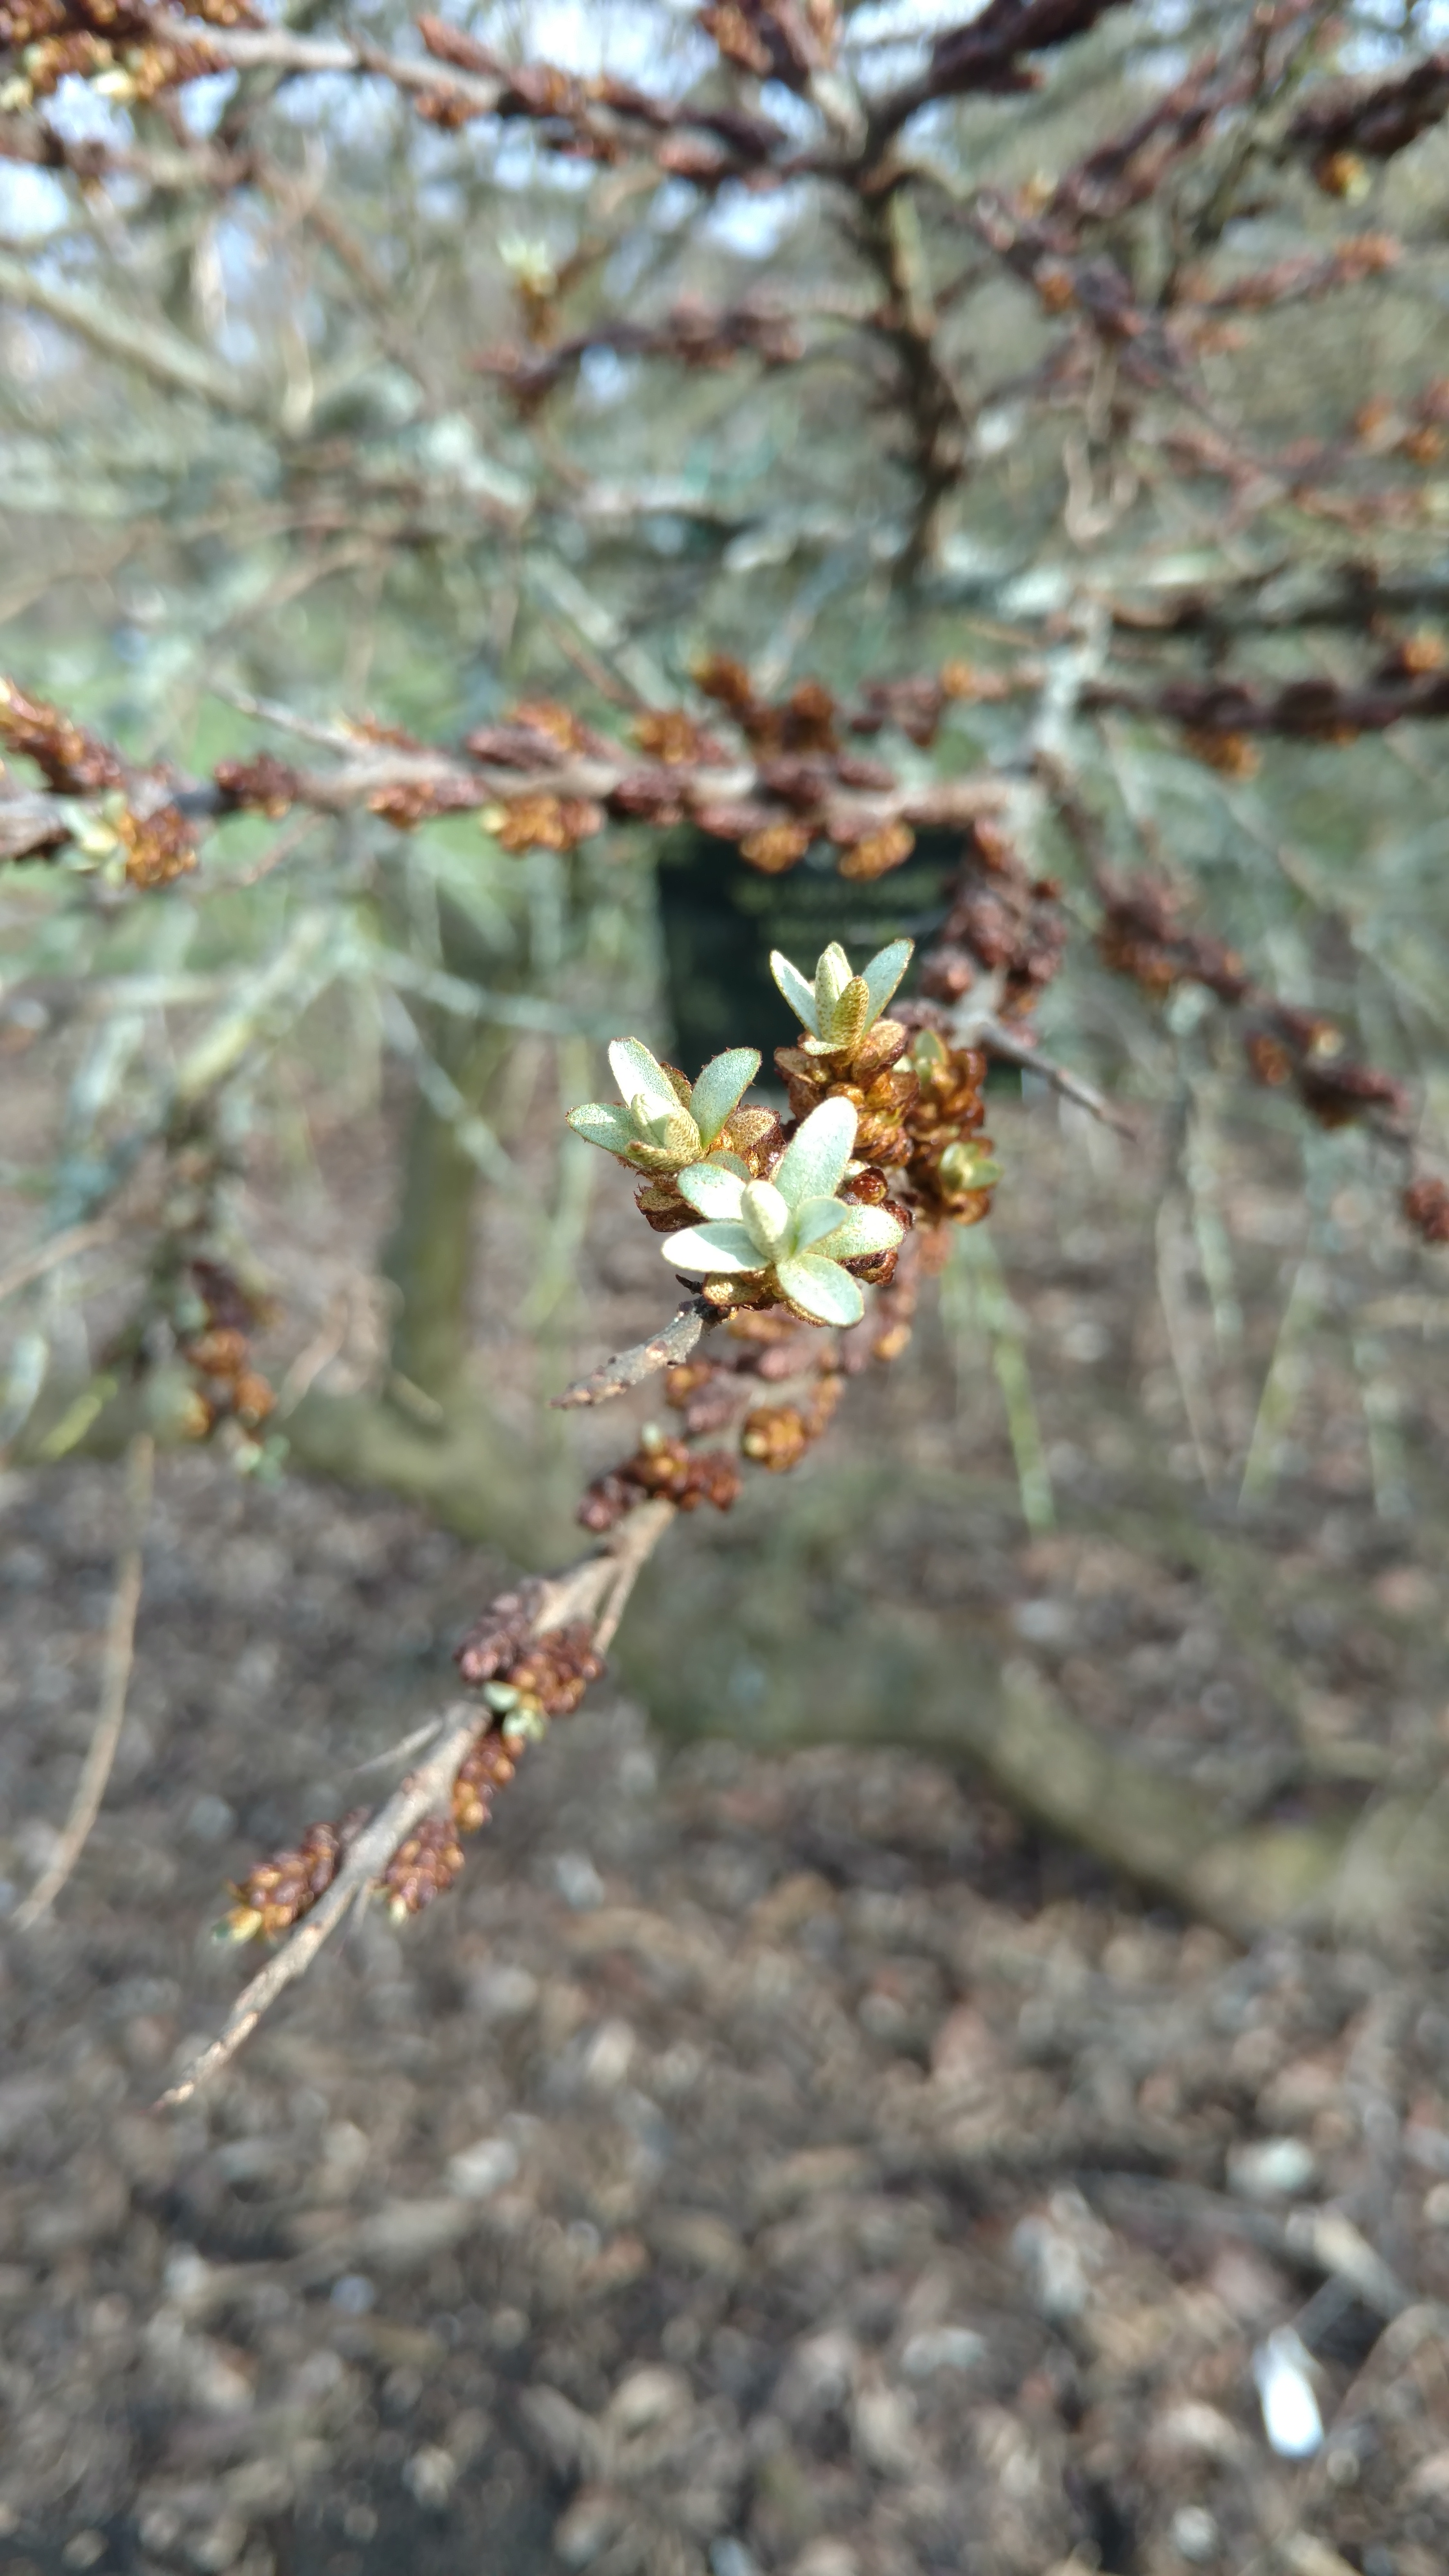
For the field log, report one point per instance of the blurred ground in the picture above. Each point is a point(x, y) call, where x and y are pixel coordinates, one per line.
point(778, 2163)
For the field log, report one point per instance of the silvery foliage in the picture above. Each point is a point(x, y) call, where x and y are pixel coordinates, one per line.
point(793, 1227)
point(839, 1007)
point(664, 1126)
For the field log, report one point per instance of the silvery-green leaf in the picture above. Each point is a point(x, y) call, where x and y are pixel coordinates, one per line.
point(657, 1158)
point(602, 1125)
point(884, 973)
point(719, 1087)
point(966, 1166)
point(635, 1070)
point(712, 1247)
point(799, 994)
point(814, 1165)
point(850, 1013)
point(714, 1192)
point(832, 974)
point(860, 1230)
point(767, 1216)
point(815, 1218)
point(721, 1162)
point(672, 1128)
point(821, 1288)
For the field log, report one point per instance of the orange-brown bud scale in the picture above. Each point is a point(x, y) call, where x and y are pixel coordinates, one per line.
point(1426, 1205)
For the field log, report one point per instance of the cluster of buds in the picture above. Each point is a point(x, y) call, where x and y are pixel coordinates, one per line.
point(1316, 710)
point(124, 824)
point(530, 1679)
point(798, 1220)
point(776, 1436)
point(1002, 920)
point(952, 1168)
point(527, 1678)
point(71, 760)
point(424, 1865)
point(214, 1318)
point(692, 334)
point(276, 1893)
point(1345, 125)
point(261, 785)
point(1426, 1205)
point(666, 1469)
point(129, 53)
point(1310, 1053)
point(1142, 936)
point(800, 768)
point(915, 706)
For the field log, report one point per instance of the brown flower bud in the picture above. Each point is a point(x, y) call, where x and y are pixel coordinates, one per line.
point(263, 785)
point(278, 1892)
point(495, 1637)
point(1426, 1205)
point(423, 1866)
point(776, 847)
point(221, 1352)
point(158, 847)
point(487, 1766)
point(878, 853)
point(253, 1398)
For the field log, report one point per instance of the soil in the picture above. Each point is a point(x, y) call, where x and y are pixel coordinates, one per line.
point(761, 2161)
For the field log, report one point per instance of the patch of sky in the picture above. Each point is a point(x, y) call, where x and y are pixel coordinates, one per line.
point(80, 115)
point(355, 114)
point(442, 202)
point(1377, 40)
point(202, 102)
point(889, 41)
point(605, 378)
point(753, 227)
point(237, 342)
point(632, 39)
point(519, 163)
point(32, 203)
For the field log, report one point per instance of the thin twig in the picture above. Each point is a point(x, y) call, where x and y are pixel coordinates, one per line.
point(1000, 1041)
point(423, 1790)
point(664, 1350)
point(59, 1247)
point(597, 1589)
point(120, 1649)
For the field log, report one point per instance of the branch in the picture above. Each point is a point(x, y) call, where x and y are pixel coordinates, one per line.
point(998, 1040)
point(985, 56)
point(665, 1350)
point(120, 1648)
point(48, 1255)
point(419, 1793)
point(597, 1590)
point(151, 345)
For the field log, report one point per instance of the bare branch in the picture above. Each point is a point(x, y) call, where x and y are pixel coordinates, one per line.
point(131, 339)
point(48, 1255)
point(111, 1717)
point(423, 1790)
point(664, 1350)
point(598, 1589)
point(1000, 1041)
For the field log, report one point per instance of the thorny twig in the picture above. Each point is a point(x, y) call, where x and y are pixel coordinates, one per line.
point(111, 1717)
point(597, 1589)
